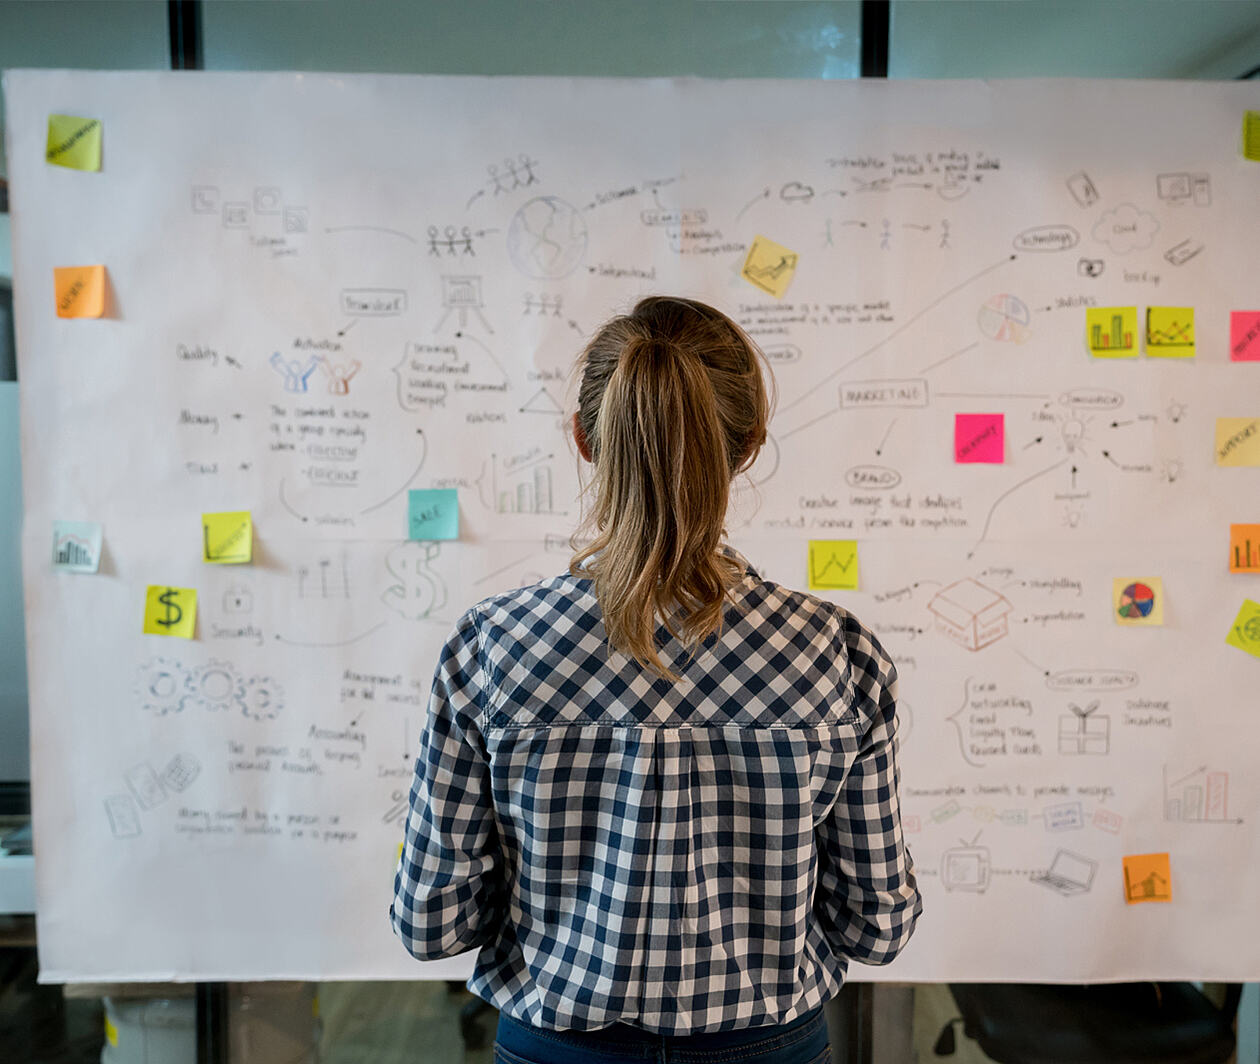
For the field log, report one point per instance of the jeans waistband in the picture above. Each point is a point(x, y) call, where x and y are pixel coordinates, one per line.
point(625, 1034)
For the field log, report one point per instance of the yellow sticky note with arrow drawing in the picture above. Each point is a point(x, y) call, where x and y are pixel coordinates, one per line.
point(227, 538)
point(769, 266)
point(170, 611)
point(833, 564)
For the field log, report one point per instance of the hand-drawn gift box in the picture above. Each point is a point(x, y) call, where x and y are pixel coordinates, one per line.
point(971, 614)
point(1080, 732)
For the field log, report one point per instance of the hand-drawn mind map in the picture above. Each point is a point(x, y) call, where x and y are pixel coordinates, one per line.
point(334, 291)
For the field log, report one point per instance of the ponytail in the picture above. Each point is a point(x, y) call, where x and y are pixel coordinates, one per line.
point(673, 406)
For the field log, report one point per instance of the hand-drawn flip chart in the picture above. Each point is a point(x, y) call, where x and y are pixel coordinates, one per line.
point(337, 318)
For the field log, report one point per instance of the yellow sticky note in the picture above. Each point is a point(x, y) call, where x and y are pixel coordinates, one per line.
point(1111, 332)
point(111, 1033)
point(74, 142)
point(833, 564)
point(1170, 332)
point(769, 266)
point(1251, 135)
point(170, 611)
point(80, 291)
point(1138, 601)
point(1147, 877)
point(1238, 441)
point(227, 538)
point(1245, 633)
point(1244, 548)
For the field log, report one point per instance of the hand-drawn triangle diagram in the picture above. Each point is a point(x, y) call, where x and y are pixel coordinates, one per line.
point(541, 403)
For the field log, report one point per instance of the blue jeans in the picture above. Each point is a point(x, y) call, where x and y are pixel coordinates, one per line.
point(802, 1041)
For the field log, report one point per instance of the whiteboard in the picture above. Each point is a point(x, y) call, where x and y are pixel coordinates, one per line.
point(327, 291)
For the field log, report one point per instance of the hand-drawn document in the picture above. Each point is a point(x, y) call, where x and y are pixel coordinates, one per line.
point(306, 387)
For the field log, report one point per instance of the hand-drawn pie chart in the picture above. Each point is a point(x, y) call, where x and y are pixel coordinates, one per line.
point(1004, 317)
point(1136, 600)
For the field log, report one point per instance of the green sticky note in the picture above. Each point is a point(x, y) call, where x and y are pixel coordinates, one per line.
point(433, 513)
point(833, 564)
point(74, 142)
point(1251, 135)
point(1245, 633)
point(170, 611)
point(227, 538)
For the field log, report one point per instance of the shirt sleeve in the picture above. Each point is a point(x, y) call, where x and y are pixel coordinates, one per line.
point(449, 890)
point(867, 897)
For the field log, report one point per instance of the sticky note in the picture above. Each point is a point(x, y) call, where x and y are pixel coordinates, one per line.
point(433, 513)
point(111, 1033)
point(833, 564)
point(1237, 441)
point(227, 538)
point(74, 142)
point(80, 291)
point(1138, 601)
point(1244, 548)
point(980, 438)
point(1170, 332)
point(1111, 332)
point(1251, 135)
point(1245, 632)
point(1147, 877)
point(170, 611)
point(769, 266)
point(77, 546)
point(1244, 335)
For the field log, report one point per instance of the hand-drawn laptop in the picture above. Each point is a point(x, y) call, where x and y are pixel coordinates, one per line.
point(1069, 873)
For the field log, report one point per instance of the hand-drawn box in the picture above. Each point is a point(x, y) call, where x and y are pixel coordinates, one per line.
point(971, 614)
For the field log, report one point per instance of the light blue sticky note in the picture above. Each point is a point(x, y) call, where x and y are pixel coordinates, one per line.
point(76, 546)
point(433, 513)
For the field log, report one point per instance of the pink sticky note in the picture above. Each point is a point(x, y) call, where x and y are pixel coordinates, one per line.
point(979, 438)
point(1244, 335)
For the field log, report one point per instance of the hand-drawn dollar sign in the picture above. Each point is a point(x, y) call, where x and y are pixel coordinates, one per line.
point(167, 599)
point(419, 590)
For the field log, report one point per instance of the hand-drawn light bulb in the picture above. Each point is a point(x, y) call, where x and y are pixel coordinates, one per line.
point(1073, 430)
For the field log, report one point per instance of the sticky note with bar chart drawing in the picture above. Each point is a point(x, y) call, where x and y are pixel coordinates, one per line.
point(1111, 332)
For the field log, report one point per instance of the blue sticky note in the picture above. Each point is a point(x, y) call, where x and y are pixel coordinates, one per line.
point(433, 513)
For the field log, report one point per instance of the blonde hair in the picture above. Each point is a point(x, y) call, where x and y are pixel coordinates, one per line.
point(673, 407)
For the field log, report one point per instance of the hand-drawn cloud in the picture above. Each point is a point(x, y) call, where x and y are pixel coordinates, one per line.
point(794, 191)
point(1125, 229)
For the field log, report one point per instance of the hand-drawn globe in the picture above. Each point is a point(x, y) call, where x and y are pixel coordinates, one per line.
point(547, 238)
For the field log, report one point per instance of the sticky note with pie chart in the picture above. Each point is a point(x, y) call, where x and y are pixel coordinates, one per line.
point(1245, 631)
point(1138, 601)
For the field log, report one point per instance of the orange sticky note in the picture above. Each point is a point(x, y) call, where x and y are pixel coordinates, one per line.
point(80, 291)
point(1244, 548)
point(1147, 878)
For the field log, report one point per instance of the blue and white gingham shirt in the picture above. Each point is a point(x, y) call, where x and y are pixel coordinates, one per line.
point(685, 857)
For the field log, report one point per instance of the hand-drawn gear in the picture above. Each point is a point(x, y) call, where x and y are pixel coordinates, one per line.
point(162, 686)
point(215, 685)
point(262, 698)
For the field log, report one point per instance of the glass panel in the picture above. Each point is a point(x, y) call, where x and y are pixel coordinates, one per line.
point(1073, 38)
point(648, 38)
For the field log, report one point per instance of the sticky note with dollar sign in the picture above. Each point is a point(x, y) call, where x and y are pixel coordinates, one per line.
point(227, 538)
point(170, 611)
point(1245, 632)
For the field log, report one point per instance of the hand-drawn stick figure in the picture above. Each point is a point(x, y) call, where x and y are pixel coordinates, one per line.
point(339, 375)
point(294, 373)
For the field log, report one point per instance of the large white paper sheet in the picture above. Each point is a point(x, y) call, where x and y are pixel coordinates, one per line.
point(324, 292)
